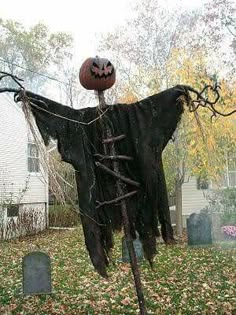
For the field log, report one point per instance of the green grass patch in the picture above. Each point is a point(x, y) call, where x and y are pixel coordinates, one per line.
point(184, 280)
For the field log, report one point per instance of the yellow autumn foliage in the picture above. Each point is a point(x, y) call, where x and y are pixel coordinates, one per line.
point(202, 142)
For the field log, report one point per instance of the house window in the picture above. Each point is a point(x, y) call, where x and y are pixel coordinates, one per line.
point(33, 158)
point(12, 210)
point(230, 178)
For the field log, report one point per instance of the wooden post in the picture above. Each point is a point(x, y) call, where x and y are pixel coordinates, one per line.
point(121, 192)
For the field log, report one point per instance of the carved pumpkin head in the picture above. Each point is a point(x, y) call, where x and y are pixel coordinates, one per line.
point(97, 74)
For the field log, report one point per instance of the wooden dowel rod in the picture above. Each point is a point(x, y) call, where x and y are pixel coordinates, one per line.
point(117, 175)
point(113, 157)
point(130, 194)
point(113, 139)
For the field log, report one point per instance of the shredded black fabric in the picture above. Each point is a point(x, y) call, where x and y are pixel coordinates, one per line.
point(148, 126)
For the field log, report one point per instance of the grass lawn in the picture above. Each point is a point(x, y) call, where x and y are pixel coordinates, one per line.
point(184, 280)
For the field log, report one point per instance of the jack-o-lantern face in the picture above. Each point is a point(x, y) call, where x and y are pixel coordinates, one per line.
point(97, 74)
point(102, 68)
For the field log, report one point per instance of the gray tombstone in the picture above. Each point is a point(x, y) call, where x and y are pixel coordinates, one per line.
point(36, 274)
point(138, 247)
point(199, 229)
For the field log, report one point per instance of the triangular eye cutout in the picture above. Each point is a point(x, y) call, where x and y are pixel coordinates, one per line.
point(95, 65)
point(110, 70)
point(109, 64)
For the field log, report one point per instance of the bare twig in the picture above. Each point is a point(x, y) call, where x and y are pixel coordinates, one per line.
point(221, 114)
point(113, 157)
point(113, 139)
point(202, 101)
point(121, 177)
point(100, 204)
point(200, 98)
point(13, 77)
point(10, 90)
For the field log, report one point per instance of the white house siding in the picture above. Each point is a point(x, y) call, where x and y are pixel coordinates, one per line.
point(17, 185)
point(193, 199)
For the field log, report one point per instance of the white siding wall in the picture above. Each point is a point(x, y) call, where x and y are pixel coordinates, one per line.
point(32, 218)
point(14, 175)
point(193, 199)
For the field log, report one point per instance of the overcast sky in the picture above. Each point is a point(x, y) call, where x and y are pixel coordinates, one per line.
point(84, 19)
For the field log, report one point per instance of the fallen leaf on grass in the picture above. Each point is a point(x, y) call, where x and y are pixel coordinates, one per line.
point(126, 301)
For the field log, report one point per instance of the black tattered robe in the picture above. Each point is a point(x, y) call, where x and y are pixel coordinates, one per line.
point(148, 126)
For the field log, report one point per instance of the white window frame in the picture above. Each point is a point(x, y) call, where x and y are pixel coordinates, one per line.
point(227, 177)
point(33, 158)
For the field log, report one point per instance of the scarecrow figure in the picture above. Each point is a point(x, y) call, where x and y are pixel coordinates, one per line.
point(116, 151)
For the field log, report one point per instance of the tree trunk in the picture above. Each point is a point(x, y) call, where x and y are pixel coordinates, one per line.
point(179, 224)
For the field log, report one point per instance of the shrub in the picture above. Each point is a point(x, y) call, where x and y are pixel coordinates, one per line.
point(229, 231)
point(224, 202)
point(28, 222)
point(63, 216)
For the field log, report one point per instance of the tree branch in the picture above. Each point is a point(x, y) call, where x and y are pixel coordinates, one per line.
point(202, 101)
point(13, 77)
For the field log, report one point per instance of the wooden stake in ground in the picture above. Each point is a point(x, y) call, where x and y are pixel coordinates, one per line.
point(109, 149)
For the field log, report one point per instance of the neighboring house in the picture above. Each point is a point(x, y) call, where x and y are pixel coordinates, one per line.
point(195, 195)
point(23, 182)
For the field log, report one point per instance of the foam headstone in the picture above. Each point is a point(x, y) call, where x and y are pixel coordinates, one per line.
point(36, 273)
